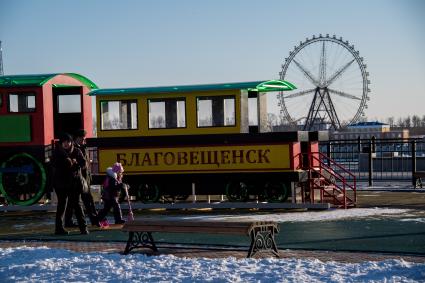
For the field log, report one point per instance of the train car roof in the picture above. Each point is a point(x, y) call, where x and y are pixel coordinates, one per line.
point(40, 80)
point(260, 86)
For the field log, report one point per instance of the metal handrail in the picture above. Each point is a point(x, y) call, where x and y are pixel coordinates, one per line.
point(317, 156)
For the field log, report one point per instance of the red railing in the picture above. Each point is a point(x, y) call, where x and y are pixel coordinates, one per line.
point(330, 175)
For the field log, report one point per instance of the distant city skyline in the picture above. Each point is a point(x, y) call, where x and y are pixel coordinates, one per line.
point(149, 43)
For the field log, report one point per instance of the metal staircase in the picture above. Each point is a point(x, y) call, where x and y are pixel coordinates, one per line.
point(328, 182)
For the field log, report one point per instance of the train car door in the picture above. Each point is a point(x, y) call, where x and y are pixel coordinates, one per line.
point(67, 109)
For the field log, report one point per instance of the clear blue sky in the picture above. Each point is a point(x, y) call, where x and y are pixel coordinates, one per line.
point(146, 43)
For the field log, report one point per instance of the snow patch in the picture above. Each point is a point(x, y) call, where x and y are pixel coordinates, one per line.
point(327, 215)
point(26, 264)
point(419, 220)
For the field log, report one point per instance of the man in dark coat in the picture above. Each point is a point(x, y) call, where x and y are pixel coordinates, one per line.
point(86, 196)
point(68, 161)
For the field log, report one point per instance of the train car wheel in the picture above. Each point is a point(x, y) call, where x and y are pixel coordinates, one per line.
point(237, 191)
point(148, 193)
point(276, 192)
point(22, 179)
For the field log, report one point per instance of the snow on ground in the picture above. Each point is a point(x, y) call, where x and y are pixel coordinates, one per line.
point(327, 215)
point(419, 220)
point(25, 264)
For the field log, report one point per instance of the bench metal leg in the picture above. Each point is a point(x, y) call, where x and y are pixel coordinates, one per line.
point(140, 240)
point(262, 239)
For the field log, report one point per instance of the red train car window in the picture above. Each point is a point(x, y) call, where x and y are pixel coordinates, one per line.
point(69, 103)
point(21, 102)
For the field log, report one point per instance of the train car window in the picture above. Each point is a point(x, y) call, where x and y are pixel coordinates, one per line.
point(69, 103)
point(253, 111)
point(216, 111)
point(22, 102)
point(167, 113)
point(118, 115)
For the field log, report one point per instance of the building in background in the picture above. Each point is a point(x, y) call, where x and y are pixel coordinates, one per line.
point(367, 130)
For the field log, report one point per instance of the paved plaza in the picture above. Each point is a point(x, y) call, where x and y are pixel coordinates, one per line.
point(400, 233)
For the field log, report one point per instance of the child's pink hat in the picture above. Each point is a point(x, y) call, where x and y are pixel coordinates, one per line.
point(117, 168)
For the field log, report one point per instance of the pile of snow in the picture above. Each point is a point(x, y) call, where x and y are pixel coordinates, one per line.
point(326, 215)
point(25, 264)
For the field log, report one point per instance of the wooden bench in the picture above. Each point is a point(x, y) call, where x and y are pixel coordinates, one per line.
point(261, 233)
point(418, 175)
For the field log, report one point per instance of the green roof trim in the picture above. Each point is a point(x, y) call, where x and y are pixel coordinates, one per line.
point(275, 85)
point(261, 86)
point(40, 80)
point(84, 80)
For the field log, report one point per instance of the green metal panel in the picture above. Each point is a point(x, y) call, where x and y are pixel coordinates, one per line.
point(24, 80)
point(261, 86)
point(39, 80)
point(15, 128)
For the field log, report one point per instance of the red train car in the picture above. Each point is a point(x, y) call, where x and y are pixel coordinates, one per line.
point(34, 110)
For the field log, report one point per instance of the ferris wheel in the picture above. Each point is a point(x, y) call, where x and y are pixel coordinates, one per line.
point(332, 84)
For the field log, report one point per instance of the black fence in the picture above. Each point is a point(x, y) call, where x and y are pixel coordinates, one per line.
point(378, 159)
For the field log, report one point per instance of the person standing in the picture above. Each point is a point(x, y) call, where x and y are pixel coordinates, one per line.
point(112, 187)
point(86, 196)
point(68, 162)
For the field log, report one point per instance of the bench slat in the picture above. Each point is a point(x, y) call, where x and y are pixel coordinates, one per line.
point(185, 226)
point(189, 229)
point(153, 222)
